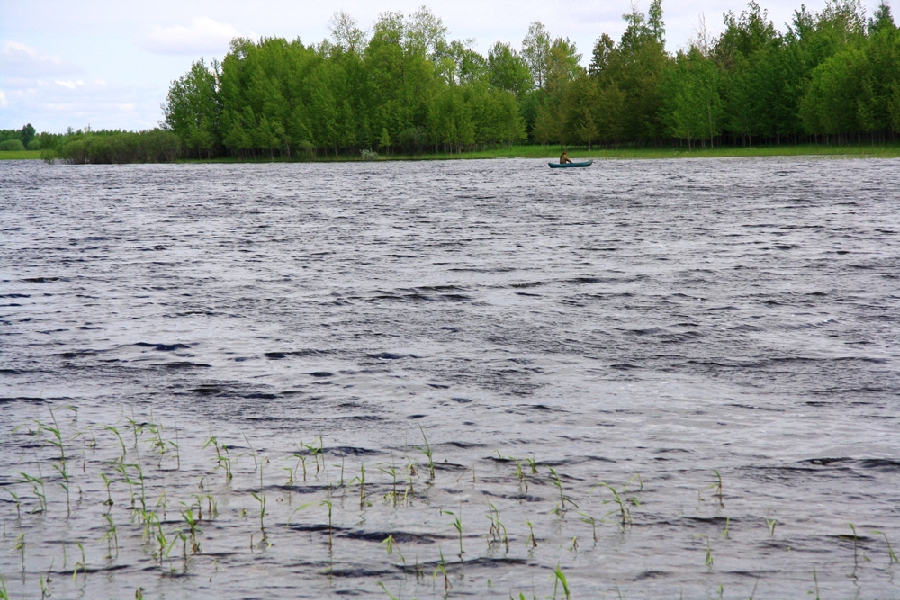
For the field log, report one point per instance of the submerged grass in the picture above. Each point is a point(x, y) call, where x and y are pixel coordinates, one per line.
point(134, 531)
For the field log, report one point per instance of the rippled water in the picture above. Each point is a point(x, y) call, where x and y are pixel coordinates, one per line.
point(671, 319)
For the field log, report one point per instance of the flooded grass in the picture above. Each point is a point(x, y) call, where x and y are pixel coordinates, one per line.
point(87, 512)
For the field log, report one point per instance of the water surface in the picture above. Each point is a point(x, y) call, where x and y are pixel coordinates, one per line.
point(671, 319)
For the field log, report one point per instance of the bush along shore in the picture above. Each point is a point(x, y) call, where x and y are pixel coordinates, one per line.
point(115, 147)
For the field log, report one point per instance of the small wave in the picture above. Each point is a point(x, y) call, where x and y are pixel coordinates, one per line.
point(162, 347)
point(647, 331)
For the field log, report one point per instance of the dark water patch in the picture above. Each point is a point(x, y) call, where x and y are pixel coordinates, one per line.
point(452, 467)
point(349, 450)
point(355, 573)
point(647, 331)
point(541, 407)
point(465, 444)
point(400, 537)
point(163, 347)
point(827, 461)
point(317, 528)
point(652, 575)
point(526, 285)
point(29, 400)
point(74, 573)
point(207, 390)
point(489, 562)
point(391, 356)
point(311, 352)
point(880, 464)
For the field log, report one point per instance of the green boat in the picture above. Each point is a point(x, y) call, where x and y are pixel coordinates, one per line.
point(586, 163)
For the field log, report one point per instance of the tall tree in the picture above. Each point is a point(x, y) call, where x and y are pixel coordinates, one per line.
point(192, 107)
point(346, 34)
point(508, 71)
point(536, 52)
point(693, 106)
point(27, 134)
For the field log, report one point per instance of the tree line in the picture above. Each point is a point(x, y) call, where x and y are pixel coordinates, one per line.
point(19, 139)
point(110, 146)
point(832, 77)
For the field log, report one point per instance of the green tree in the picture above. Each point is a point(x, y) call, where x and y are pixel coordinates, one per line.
point(635, 66)
point(744, 35)
point(192, 107)
point(27, 134)
point(346, 34)
point(579, 111)
point(692, 104)
point(508, 71)
point(536, 52)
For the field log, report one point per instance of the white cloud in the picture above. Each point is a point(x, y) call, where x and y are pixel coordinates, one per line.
point(2, 99)
point(69, 84)
point(19, 59)
point(203, 35)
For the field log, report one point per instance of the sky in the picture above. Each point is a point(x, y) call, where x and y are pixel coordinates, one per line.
point(108, 64)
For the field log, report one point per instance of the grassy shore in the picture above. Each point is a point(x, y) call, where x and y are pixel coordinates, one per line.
point(553, 152)
point(629, 153)
point(20, 155)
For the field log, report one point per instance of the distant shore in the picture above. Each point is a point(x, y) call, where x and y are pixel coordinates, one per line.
point(552, 153)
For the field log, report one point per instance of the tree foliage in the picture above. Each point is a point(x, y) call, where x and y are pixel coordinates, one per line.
point(404, 86)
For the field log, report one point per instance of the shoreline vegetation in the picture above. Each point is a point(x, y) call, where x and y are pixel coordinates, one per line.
point(551, 153)
point(404, 88)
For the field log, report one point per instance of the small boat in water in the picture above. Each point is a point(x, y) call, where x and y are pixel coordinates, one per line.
point(586, 163)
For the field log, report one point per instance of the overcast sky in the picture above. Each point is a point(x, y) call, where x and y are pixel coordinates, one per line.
point(109, 63)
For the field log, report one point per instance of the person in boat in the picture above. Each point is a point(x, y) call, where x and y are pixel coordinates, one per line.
point(564, 158)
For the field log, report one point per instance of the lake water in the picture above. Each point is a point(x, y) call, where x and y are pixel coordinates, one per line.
point(653, 325)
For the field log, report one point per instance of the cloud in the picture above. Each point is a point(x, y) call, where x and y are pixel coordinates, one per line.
point(2, 99)
point(69, 84)
point(52, 106)
point(203, 35)
point(19, 59)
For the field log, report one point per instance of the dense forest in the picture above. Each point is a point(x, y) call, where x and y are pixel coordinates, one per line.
point(404, 87)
